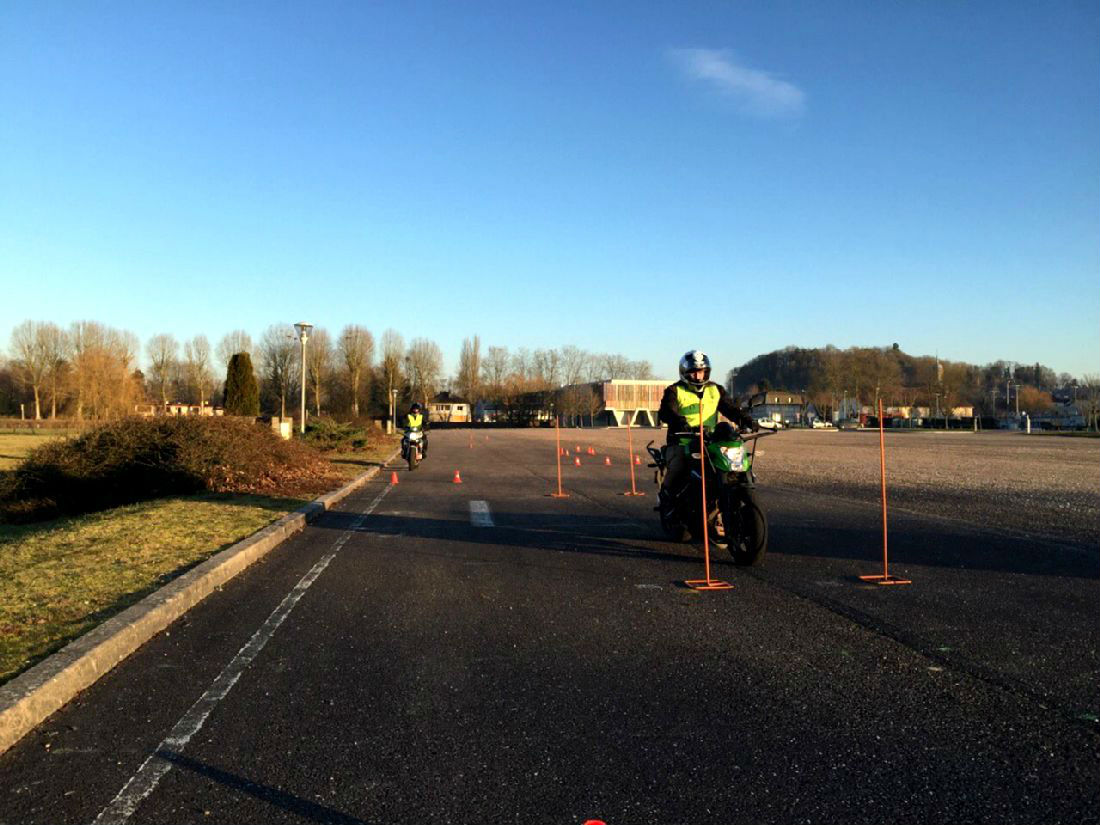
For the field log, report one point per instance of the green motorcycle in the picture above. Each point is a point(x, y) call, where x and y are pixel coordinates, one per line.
point(735, 520)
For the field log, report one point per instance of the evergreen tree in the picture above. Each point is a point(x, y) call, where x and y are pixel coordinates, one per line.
point(242, 396)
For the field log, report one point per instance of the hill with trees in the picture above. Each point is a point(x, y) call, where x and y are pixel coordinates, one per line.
point(828, 374)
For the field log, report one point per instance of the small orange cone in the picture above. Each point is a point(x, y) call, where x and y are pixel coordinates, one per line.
point(607, 460)
point(591, 451)
point(457, 479)
point(393, 477)
point(577, 460)
point(637, 459)
point(578, 448)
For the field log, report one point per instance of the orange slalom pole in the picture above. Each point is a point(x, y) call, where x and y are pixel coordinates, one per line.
point(703, 484)
point(885, 578)
point(707, 583)
point(557, 441)
point(630, 460)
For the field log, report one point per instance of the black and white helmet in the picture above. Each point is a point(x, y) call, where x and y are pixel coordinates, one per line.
point(694, 360)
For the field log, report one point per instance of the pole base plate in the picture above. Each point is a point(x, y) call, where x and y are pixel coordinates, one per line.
point(708, 584)
point(885, 579)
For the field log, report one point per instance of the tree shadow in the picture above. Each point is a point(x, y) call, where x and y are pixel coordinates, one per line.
point(605, 535)
point(916, 543)
point(931, 545)
point(282, 800)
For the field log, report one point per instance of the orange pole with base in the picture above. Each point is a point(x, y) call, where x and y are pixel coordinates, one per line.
point(708, 583)
point(885, 578)
point(557, 440)
point(630, 461)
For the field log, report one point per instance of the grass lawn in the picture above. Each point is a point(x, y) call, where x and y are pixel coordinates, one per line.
point(59, 579)
point(15, 446)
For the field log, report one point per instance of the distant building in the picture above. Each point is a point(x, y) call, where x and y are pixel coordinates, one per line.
point(449, 408)
point(781, 406)
point(612, 403)
point(176, 408)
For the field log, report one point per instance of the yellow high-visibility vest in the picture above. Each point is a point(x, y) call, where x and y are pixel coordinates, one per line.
point(415, 420)
point(690, 404)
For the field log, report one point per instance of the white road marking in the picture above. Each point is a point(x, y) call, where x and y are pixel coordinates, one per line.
point(480, 515)
point(143, 782)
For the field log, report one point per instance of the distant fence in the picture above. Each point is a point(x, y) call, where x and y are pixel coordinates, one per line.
point(43, 425)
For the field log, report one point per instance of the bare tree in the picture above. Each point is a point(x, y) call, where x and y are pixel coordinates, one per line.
point(196, 355)
point(32, 361)
point(424, 367)
point(356, 351)
point(231, 343)
point(614, 366)
point(104, 383)
point(277, 350)
point(54, 348)
point(318, 363)
point(495, 368)
point(522, 366)
point(574, 364)
point(1089, 400)
point(393, 351)
point(162, 351)
point(547, 368)
point(469, 369)
point(641, 370)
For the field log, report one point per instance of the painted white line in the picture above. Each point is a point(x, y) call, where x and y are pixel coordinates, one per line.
point(143, 782)
point(480, 515)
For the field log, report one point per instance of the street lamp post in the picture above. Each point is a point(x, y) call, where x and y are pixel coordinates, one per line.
point(303, 335)
point(393, 410)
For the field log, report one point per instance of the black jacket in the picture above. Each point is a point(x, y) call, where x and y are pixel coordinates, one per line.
point(670, 409)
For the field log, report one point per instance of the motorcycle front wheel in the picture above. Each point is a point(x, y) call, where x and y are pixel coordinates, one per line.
point(672, 528)
point(746, 529)
point(414, 459)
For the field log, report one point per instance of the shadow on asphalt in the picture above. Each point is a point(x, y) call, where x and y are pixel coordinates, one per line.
point(940, 548)
point(273, 796)
point(930, 546)
point(564, 534)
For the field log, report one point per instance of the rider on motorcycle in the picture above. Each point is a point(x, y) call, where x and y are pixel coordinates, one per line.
point(683, 403)
point(415, 421)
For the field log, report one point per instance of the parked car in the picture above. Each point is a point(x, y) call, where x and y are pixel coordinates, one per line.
point(821, 424)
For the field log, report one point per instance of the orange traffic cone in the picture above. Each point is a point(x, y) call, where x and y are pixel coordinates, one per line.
point(578, 448)
point(393, 477)
point(637, 459)
point(577, 460)
point(607, 460)
point(457, 479)
point(591, 451)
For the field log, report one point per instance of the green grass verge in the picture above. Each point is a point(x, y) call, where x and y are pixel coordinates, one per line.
point(59, 579)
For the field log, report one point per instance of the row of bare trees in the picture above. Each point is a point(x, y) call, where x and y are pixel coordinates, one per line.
point(90, 370)
point(504, 377)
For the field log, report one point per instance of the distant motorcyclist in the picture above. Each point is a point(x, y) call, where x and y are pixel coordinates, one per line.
point(415, 420)
point(693, 397)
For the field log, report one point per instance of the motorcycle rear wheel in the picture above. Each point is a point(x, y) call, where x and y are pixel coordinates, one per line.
point(746, 529)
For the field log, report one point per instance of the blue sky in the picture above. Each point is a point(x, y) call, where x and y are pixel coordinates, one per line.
point(640, 178)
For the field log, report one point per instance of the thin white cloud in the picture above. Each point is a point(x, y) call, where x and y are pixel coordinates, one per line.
point(755, 92)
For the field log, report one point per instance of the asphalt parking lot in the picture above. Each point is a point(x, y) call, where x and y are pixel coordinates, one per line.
point(542, 662)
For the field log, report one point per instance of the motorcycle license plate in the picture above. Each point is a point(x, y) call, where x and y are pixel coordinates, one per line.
point(736, 457)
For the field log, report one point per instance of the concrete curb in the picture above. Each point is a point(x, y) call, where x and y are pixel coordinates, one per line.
point(33, 696)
